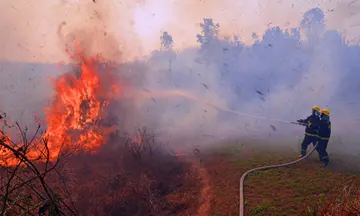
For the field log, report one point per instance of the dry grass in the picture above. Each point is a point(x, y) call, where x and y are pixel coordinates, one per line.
point(124, 177)
point(132, 179)
point(139, 177)
point(347, 204)
point(303, 189)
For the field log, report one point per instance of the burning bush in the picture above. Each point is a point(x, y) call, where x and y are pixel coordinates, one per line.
point(127, 176)
point(77, 117)
point(81, 165)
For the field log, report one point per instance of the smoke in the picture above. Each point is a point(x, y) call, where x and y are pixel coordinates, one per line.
point(222, 89)
point(34, 37)
point(227, 90)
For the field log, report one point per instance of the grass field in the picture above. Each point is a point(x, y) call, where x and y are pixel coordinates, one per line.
point(302, 189)
point(128, 180)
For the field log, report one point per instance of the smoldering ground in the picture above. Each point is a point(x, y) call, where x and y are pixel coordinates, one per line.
point(189, 96)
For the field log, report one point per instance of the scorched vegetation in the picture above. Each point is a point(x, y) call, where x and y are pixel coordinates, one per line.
point(82, 164)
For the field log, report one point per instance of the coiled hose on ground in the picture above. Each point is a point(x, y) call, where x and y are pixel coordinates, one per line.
point(242, 179)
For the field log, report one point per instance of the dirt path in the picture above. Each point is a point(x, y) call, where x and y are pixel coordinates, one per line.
point(205, 197)
point(205, 193)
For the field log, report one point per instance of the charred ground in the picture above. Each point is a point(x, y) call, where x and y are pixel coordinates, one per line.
point(122, 178)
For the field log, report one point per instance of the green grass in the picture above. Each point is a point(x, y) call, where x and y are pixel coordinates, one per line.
point(260, 209)
point(300, 189)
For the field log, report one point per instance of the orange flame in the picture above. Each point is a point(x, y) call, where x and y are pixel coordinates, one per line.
point(74, 119)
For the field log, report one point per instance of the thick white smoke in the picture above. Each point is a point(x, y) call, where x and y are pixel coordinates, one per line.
point(276, 79)
point(187, 96)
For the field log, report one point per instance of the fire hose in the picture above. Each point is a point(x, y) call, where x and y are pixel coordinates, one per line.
point(242, 179)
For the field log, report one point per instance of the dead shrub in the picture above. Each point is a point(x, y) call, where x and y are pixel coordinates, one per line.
point(347, 204)
point(130, 175)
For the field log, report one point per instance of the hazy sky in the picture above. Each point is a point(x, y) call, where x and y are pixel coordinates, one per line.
point(28, 28)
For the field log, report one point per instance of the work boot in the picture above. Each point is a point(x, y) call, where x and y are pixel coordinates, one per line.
point(326, 163)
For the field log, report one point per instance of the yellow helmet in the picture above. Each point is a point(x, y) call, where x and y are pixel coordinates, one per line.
point(325, 112)
point(317, 108)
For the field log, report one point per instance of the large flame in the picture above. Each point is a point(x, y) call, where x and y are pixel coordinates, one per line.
point(74, 118)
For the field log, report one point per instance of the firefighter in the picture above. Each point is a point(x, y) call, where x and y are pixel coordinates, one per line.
point(324, 136)
point(311, 130)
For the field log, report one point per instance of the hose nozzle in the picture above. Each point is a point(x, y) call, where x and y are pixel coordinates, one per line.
point(298, 123)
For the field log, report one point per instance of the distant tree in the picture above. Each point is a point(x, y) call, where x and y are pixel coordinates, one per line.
point(166, 41)
point(295, 33)
point(313, 24)
point(210, 31)
point(274, 35)
point(255, 37)
point(236, 40)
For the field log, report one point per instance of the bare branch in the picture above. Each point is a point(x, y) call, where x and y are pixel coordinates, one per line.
point(5, 197)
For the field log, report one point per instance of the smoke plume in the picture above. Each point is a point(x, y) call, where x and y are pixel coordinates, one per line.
point(222, 89)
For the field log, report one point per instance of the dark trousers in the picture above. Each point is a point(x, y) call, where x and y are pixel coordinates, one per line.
point(321, 149)
point(306, 142)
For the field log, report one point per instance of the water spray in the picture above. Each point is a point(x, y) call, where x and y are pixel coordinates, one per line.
point(147, 93)
point(219, 108)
